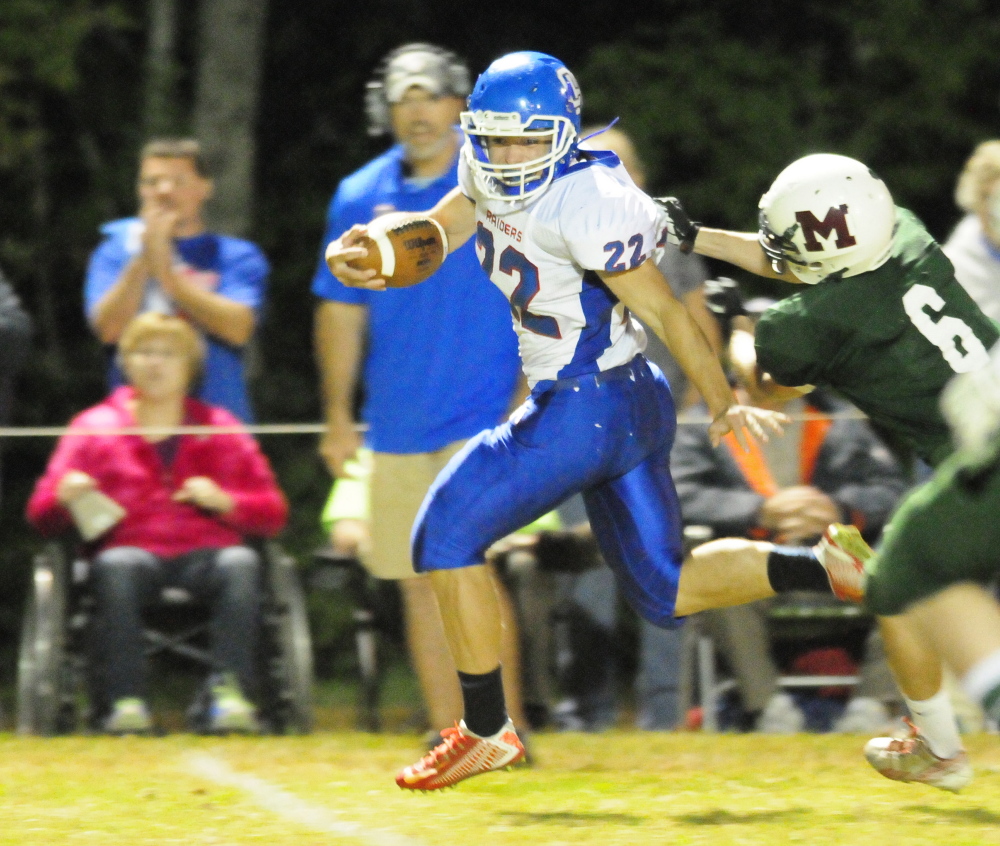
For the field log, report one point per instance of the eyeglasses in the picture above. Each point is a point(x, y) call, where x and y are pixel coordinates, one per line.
point(155, 352)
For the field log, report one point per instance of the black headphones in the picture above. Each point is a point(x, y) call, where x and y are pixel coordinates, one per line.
point(376, 104)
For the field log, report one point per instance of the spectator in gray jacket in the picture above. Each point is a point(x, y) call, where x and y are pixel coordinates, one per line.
point(15, 338)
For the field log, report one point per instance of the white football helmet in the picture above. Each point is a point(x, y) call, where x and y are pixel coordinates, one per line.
point(826, 217)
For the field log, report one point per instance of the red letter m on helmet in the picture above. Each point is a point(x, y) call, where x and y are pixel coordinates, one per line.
point(835, 220)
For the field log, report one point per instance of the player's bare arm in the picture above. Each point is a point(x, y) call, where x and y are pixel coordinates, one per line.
point(743, 360)
point(742, 249)
point(455, 213)
point(646, 293)
point(739, 248)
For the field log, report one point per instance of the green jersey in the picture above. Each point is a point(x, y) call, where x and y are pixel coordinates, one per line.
point(888, 340)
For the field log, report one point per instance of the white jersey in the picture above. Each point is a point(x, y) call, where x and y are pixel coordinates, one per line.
point(977, 264)
point(543, 253)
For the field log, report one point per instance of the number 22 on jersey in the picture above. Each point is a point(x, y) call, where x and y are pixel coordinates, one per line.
point(512, 261)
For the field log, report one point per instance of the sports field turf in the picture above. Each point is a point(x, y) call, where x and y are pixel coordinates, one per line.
point(617, 788)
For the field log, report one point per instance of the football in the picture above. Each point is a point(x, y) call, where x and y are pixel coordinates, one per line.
point(403, 252)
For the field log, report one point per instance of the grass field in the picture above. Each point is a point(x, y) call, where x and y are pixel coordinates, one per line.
point(336, 787)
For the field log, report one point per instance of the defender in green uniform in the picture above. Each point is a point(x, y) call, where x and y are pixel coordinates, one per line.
point(884, 322)
point(888, 339)
point(947, 531)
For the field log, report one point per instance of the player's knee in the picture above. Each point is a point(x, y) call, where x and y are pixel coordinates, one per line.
point(435, 547)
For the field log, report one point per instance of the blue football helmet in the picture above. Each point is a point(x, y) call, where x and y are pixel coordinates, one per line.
point(522, 94)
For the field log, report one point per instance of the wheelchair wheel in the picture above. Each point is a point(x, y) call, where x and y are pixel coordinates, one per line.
point(46, 701)
point(288, 644)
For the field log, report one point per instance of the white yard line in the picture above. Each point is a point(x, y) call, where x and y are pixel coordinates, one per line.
point(279, 801)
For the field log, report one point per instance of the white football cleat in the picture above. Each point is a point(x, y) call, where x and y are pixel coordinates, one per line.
point(461, 755)
point(911, 759)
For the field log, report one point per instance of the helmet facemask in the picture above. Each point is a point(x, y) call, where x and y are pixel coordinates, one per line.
point(523, 179)
point(785, 255)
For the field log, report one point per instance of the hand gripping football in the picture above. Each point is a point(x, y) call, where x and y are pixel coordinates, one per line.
point(403, 252)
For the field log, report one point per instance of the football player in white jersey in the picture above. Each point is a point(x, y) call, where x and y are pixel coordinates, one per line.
point(568, 237)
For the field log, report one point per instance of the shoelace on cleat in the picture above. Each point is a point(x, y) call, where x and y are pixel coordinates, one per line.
point(451, 739)
point(905, 744)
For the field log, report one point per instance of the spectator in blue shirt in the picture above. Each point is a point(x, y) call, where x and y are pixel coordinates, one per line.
point(166, 260)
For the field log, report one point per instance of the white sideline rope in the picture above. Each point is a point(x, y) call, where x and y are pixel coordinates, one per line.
point(304, 428)
point(703, 419)
point(289, 806)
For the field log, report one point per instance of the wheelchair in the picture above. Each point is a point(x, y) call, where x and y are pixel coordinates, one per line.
point(57, 691)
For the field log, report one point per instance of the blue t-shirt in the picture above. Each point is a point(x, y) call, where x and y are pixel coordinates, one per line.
point(230, 267)
point(441, 361)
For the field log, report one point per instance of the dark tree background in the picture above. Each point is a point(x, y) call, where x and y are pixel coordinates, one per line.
point(720, 95)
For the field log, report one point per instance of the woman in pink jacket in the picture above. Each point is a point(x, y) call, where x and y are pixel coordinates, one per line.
point(182, 507)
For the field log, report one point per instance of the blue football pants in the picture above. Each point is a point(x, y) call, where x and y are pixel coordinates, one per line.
point(607, 436)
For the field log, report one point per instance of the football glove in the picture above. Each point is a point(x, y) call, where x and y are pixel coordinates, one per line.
point(679, 227)
point(723, 299)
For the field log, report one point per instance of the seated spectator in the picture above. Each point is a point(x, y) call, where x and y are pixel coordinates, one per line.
point(166, 260)
point(826, 468)
point(177, 512)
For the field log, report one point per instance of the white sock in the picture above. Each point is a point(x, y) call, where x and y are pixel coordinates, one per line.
point(936, 720)
point(983, 678)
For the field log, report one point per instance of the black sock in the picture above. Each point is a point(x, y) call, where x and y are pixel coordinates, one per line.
point(796, 568)
point(485, 709)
